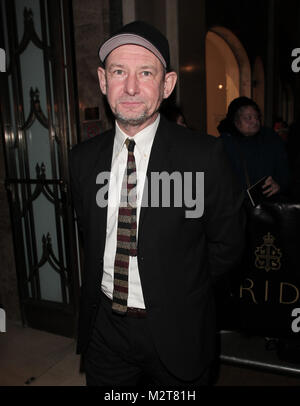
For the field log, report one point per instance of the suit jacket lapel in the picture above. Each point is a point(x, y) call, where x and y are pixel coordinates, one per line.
point(158, 162)
point(103, 165)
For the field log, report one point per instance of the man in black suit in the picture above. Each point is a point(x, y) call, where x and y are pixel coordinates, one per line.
point(147, 302)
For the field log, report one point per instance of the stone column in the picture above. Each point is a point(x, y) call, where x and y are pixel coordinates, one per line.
point(128, 9)
point(91, 27)
point(172, 35)
point(270, 66)
point(192, 32)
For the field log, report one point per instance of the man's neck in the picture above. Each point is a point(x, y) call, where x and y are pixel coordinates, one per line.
point(132, 130)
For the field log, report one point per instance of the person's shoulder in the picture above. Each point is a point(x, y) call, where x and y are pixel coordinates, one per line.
point(268, 133)
point(270, 137)
point(227, 139)
point(196, 148)
point(225, 135)
point(91, 145)
point(184, 137)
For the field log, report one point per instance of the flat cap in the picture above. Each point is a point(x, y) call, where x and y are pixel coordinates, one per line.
point(142, 34)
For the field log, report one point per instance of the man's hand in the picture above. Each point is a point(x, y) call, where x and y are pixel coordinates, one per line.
point(270, 187)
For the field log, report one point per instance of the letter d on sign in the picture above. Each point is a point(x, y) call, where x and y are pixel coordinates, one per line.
point(2, 321)
point(2, 60)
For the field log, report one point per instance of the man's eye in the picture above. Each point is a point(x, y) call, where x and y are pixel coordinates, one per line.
point(146, 73)
point(118, 72)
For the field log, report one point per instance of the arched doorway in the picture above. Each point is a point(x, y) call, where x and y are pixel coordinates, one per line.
point(228, 74)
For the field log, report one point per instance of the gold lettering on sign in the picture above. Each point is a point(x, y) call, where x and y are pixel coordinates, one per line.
point(282, 284)
point(267, 256)
point(248, 289)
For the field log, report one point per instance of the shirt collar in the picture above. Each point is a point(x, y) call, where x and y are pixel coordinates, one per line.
point(143, 139)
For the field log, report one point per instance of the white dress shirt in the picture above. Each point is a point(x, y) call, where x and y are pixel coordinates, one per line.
point(142, 149)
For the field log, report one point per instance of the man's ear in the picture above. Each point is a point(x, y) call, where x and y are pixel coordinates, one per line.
point(102, 79)
point(170, 82)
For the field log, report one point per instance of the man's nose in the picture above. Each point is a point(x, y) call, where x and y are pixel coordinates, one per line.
point(132, 84)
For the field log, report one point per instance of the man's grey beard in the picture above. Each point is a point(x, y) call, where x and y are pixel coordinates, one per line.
point(132, 121)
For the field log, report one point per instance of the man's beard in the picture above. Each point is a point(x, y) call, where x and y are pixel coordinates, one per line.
point(133, 121)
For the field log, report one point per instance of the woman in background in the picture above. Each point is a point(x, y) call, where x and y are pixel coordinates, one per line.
point(254, 151)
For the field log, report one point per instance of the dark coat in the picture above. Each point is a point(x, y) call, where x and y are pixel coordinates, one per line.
point(265, 155)
point(179, 258)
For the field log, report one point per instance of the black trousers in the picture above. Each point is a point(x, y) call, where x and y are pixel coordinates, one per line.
point(122, 353)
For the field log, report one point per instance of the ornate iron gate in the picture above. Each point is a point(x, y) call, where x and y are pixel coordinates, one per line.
point(38, 117)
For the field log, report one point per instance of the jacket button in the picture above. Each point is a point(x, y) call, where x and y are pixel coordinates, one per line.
point(94, 306)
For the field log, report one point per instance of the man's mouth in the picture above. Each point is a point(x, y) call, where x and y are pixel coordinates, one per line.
point(131, 104)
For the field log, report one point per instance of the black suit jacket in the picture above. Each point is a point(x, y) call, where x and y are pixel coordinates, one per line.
point(179, 258)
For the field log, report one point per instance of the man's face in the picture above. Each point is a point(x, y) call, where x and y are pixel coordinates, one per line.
point(135, 84)
point(248, 121)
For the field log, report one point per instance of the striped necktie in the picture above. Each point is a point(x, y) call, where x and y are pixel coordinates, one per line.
point(126, 234)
